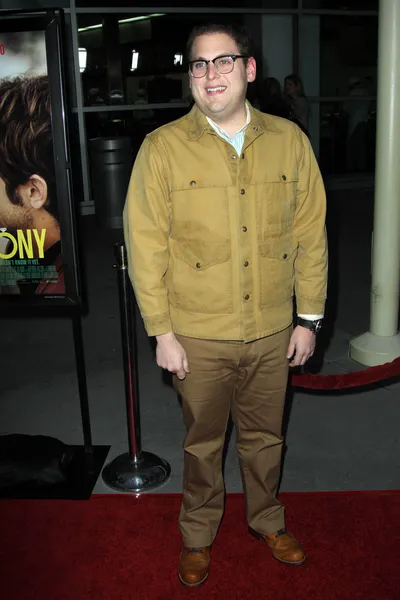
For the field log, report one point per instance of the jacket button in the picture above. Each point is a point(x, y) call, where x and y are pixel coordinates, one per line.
point(284, 177)
point(198, 266)
point(284, 256)
point(244, 229)
point(246, 264)
point(233, 156)
point(242, 192)
point(192, 183)
point(242, 156)
point(246, 297)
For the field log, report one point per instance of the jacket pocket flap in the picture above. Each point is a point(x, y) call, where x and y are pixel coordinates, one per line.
point(280, 248)
point(201, 255)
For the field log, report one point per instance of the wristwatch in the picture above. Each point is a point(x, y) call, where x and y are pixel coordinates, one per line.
point(313, 326)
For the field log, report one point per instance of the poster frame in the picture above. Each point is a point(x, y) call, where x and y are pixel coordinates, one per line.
point(52, 23)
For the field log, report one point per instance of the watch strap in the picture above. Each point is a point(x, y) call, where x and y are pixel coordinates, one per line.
point(311, 325)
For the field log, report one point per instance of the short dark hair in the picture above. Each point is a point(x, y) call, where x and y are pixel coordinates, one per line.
point(297, 82)
point(26, 142)
point(239, 35)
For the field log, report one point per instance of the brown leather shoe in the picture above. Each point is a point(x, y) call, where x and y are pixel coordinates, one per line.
point(194, 566)
point(283, 545)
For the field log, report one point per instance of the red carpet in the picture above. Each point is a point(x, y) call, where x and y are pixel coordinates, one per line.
point(122, 548)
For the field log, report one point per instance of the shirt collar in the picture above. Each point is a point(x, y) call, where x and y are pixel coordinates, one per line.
point(196, 122)
point(222, 132)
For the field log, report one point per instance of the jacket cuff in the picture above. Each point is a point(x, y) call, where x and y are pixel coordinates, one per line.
point(310, 306)
point(157, 325)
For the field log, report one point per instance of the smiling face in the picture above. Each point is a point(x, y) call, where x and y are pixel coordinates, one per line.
point(221, 97)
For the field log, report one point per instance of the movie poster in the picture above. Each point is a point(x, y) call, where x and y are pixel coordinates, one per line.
point(31, 260)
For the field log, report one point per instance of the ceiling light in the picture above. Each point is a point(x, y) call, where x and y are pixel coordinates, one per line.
point(90, 27)
point(135, 60)
point(178, 59)
point(129, 20)
point(142, 18)
point(82, 52)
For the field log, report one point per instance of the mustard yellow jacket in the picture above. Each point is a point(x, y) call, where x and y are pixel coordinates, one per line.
point(218, 243)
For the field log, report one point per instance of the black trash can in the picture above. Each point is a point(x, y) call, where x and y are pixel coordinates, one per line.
point(110, 168)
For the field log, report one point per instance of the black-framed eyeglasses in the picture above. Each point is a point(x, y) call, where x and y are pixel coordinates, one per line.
point(223, 64)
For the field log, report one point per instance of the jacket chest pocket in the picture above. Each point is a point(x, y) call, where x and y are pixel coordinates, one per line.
point(277, 257)
point(200, 276)
point(276, 204)
point(200, 212)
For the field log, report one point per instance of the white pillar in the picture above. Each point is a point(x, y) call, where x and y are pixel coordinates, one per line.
point(382, 343)
point(277, 46)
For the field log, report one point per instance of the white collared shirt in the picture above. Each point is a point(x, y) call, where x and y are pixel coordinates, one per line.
point(237, 140)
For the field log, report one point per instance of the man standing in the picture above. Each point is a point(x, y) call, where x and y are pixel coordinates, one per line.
point(224, 220)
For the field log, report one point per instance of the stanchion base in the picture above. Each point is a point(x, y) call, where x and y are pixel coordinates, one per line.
point(126, 475)
point(373, 350)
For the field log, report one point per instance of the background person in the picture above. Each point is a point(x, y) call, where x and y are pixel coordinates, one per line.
point(357, 111)
point(295, 92)
point(273, 102)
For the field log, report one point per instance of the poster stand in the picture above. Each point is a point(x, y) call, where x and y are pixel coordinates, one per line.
point(88, 459)
point(82, 383)
point(39, 266)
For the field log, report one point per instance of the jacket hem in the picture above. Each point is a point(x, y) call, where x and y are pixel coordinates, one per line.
point(233, 338)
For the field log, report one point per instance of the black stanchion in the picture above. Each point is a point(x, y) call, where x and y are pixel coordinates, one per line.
point(82, 384)
point(135, 471)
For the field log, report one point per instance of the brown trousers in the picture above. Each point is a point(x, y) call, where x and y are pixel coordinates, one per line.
point(249, 381)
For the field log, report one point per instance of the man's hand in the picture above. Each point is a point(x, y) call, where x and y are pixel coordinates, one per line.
point(171, 356)
point(301, 346)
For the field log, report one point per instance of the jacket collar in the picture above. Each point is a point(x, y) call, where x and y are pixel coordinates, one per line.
point(259, 123)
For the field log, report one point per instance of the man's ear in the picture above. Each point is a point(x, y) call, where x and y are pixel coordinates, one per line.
point(33, 192)
point(251, 69)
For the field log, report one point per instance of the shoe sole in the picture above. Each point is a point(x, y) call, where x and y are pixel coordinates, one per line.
point(287, 562)
point(260, 538)
point(192, 585)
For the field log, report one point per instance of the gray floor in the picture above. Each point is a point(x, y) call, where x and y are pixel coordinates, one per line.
point(341, 441)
